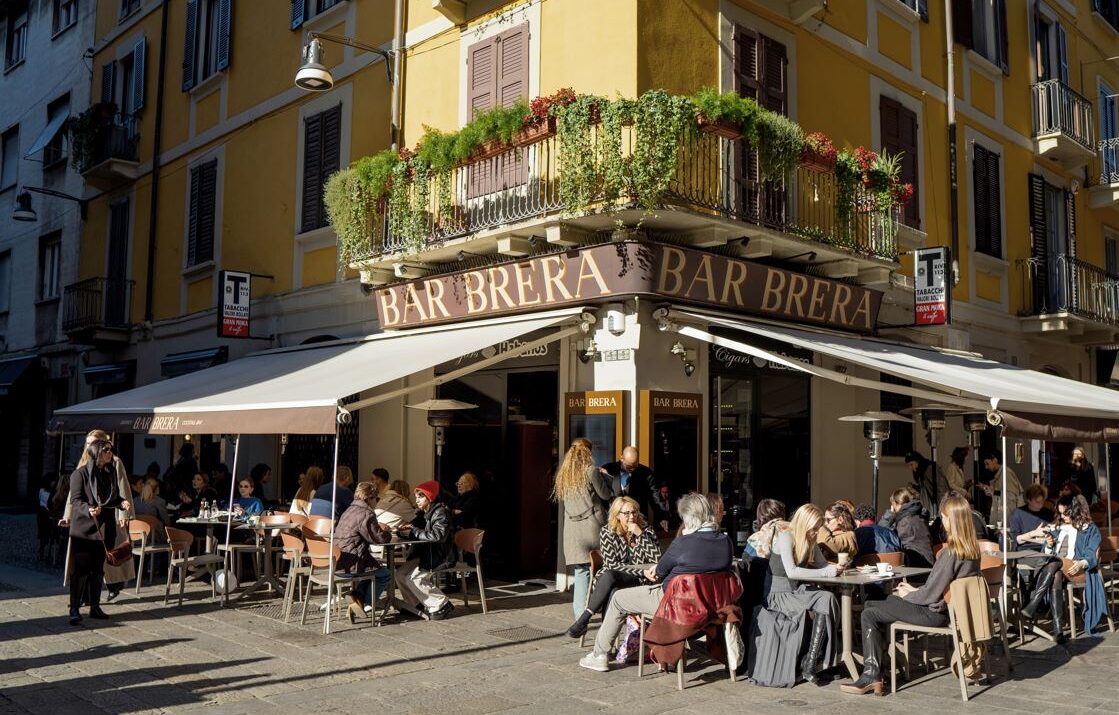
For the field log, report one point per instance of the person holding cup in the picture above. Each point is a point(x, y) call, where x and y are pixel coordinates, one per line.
point(837, 538)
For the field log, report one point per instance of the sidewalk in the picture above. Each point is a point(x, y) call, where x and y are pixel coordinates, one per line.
point(156, 658)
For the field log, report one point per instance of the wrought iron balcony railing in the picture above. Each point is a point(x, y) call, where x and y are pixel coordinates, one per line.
point(1109, 161)
point(1060, 110)
point(1063, 284)
point(113, 139)
point(524, 182)
point(97, 303)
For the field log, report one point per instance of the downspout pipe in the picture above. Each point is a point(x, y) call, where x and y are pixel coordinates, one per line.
point(157, 141)
point(953, 179)
point(397, 71)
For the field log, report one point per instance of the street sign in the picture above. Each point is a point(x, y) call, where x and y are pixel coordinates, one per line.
point(930, 286)
point(233, 318)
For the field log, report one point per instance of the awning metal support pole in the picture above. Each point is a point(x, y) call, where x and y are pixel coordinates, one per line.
point(66, 562)
point(333, 521)
point(1005, 544)
point(1107, 485)
point(229, 522)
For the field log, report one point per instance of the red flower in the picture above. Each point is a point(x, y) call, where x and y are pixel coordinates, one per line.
point(865, 158)
point(541, 108)
point(902, 193)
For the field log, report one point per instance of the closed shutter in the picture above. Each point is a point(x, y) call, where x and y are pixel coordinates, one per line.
point(298, 12)
point(512, 85)
point(116, 291)
point(192, 219)
point(1062, 52)
point(1073, 271)
point(481, 88)
point(1002, 36)
point(137, 87)
point(899, 136)
point(773, 76)
point(108, 79)
point(747, 71)
point(331, 145)
point(190, 44)
point(225, 20)
point(1039, 243)
point(322, 142)
point(988, 214)
point(962, 23)
point(203, 204)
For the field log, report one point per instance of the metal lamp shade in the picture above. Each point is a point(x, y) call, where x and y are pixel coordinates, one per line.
point(934, 416)
point(975, 421)
point(23, 210)
point(312, 74)
point(440, 413)
point(876, 430)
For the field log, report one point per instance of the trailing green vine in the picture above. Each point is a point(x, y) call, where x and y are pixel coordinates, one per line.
point(578, 178)
point(661, 121)
point(615, 167)
point(354, 200)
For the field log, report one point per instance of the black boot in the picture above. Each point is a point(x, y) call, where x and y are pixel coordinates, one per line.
point(78, 589)
point(871, 678)
point(1037, 597)
point(810, 663)
point(1057, 611)
point(95, 598)
point(579, 627)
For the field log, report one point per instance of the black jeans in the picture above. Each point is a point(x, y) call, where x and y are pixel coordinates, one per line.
point(87, 557)
point(605, 584)
point(878, 615)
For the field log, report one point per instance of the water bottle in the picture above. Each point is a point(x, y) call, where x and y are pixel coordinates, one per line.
point(204, 510)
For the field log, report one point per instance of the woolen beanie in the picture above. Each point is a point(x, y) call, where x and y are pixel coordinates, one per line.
point(430, 489)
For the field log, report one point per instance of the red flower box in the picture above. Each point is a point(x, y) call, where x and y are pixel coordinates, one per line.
point(812, 159)
point(535, 132)
point(719, 127)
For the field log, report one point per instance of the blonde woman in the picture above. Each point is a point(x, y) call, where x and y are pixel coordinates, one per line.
point(151, 504)
point(309, 483)
point(394, 508)
point(582, 491)
point(925, 605)
point(796, 555)
point(628, 547)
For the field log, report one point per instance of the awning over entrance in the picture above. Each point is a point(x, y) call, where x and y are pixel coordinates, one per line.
point(971, 381)
point(294, 390)
point(12, 370)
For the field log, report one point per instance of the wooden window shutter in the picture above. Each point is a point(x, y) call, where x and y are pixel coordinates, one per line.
point(108, 79)
point(192, 219)
point(207, 210)
point(899, 136)
point(748, 74)
point(746, 62)
point(923, 9)
point(481, 87)
point(225, 20)
point(774, 77)
point(190, 44)
point(962, 23)
point(298, 12)
point(137, 87)
point(331, 142)
point(994, 204)
point(1002, 36)
point(312, 172)
point(1039, 243)
point(512, 67)
point(117, 268)
point(980, 204)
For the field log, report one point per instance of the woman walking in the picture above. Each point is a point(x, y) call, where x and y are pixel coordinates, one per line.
point(583, 491)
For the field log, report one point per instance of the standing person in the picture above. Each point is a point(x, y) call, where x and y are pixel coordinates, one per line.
point(95, 490)
point(467, 505)
point(358, 529)
point(261, 474)
point(309, 483)
point(925, 605)
point(581, 489)
point(993, 463)
point(43, 521)
point(433, 526)
point(954, 473)
point(181, 473)
point(905, 518)
point(1083, 474)
point(630, 478)
point(322, 504)
point(924, 481)
point(628, 546)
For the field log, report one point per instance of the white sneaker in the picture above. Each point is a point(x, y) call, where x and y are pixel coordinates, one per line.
point(593, 661)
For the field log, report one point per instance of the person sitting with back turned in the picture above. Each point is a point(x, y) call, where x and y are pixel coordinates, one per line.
point(870, 536)
point(309, 483)
point(912, 529)
point(321, 503)
point(702, 549)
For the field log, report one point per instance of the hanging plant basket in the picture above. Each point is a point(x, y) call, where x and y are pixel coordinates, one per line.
point(536, 132)
point(814, 160)
point(719, 127)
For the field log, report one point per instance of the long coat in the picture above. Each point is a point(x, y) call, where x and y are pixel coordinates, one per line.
point(127, 570)
point(584, 514)
point(1095, 603)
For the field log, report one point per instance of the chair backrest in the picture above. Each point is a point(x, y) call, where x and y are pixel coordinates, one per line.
point(1109, 550)
point(274, 519)
point(179, 540)
point(139, 530)
point(596, 562)
point(319, 550)
point(986, 547)
point(293, 545)
point(469, 540)
point(989, 561)
point(318, 525)
point(296, 518)
point(894, 558)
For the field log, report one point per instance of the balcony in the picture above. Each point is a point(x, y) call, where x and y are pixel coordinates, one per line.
point(1063, 121)
point(109, 154)
point(1106, 193)
point(97, 310)
point(1067, 297)
point(497, 204)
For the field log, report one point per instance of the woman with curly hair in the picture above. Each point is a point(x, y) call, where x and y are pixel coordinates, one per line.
point(583, 492)
point(628, 546)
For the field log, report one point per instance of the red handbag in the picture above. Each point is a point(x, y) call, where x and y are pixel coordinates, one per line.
point(117, 555)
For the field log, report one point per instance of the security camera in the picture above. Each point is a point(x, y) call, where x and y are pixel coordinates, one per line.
point(400, 270)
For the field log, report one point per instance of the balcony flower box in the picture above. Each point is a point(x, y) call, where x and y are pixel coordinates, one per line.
point(536, 132)
point(488, 151)
point(819, 153)
point(719, 127)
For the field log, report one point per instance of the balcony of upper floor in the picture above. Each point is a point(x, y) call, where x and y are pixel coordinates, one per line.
point(105, 143)
point(1106, 192)
point(514, 199)
point(97, 310)
point(1067, 297)
point(1063, 124)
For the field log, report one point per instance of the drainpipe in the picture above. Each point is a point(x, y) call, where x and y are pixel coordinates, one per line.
point(397, 70)
point(157, 137)
point(953, 181)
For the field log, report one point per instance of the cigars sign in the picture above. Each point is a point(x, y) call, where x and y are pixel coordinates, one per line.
point(616, 270)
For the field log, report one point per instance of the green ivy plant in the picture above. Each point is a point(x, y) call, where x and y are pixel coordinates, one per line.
point(661, 120)
point(614, 165)
point(729, 107)
point(780, 142)
point(578, 182)
point(354, 200)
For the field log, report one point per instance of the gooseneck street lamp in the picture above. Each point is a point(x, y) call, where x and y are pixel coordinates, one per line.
point(23, 210)
point(314, 76)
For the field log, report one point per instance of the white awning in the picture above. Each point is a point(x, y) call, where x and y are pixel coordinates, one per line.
point(54, 126)
point(298, 390)
point(959, 378)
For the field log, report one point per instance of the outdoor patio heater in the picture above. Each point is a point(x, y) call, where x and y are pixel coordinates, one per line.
point(876, 430)
point(933, 418)
point(975, 423)
point(440, 414)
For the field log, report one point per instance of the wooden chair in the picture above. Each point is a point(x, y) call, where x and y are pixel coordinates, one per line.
point(143, 529)
point(318, 525)
point(294, 552)
point(468, 541)
point(320, 556)
point(1105, 557)
point(893, 558)
point(180, 542)
point(596, 567)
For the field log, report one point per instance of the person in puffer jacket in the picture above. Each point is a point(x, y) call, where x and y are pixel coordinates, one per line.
point(905, 518)
point(433, 526)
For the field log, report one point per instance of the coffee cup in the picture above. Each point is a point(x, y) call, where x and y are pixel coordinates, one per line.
point(842, 559)
point(884, 569)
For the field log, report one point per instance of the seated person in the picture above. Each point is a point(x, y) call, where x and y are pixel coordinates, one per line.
point(309, 483)
point(191, 500)
point(321, 503)
point(153, 505)
point(357, 530)
point(626, 542)
point(1028, 517)
point(838, 535)
point(414, 577)
point(393, 507)
point(246, 504)
point(702, 549)
point(468, 504)
point(911, 527)
point(770, 522)
point(872, 538)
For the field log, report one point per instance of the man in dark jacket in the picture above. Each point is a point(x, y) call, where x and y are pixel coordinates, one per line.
point(872, 538)
point(432, 525)
point(630, 478)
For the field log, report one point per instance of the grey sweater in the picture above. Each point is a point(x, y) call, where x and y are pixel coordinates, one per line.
point(946, 570)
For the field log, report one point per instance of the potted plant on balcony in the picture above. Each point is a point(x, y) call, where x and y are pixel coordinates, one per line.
point(819, 153)
point(725, 114)
point(780, 142)
point(540, 121)
point(84, 129)
point(354, 199)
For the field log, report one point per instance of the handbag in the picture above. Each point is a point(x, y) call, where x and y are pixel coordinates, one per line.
point(117, 555)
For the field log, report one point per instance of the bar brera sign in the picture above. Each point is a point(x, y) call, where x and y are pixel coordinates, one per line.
point(617, 270)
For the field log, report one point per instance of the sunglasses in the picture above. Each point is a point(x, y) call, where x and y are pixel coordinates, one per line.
point(626, 513)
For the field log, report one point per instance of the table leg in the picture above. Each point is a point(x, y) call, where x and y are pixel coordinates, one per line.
point(268, 577)
point(847, 608)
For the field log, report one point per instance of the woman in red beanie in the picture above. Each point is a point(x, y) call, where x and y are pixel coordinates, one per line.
point(433, 525)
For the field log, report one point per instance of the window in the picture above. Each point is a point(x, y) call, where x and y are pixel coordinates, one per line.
point(901, 433)
point(761, 68)
point(899, 136)
point(55, 150)
point(16, 44)
point(5, 280)
point(65, 15)
point(206, 46)
point(9, 157)
point(301, 10)
point(1111, 254)
point(981, 26)
point(1051, 49)
point(322, 138)
point(921, 7)
point(203, 197)
point(1053, 246)
point(987, 207)
point(122, 82)
point(498, 76)
point(1109, 10)
point(127, 7)
point(50, 265)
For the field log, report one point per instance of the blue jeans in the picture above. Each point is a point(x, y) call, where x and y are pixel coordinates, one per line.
point(381, 577)
point(582, 585)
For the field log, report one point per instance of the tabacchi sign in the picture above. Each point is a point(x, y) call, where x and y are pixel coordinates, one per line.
point(233, 321)
point(628, 268)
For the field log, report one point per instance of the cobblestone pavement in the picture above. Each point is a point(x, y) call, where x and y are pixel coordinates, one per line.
point(155, 658)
